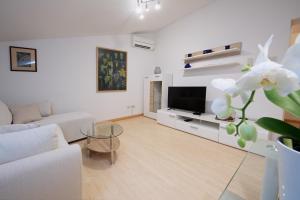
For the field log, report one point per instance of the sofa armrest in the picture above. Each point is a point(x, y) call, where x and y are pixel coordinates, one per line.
point(52, 175)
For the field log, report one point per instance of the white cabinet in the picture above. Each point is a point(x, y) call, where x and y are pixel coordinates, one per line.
point(209, 131)
point(166, 118)
point(205, 126)
point(198, 126)
point(156, 93)
point(181, 125)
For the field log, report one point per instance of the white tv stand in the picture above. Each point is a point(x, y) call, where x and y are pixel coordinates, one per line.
point(204, 125)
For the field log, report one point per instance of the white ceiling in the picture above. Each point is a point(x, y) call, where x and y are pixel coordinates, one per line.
point(35, 19)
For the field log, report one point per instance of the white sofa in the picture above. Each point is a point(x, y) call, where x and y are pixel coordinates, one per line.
point(52, 174)
point(70, 123)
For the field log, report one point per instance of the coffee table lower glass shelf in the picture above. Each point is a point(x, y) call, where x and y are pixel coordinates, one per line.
point(247, 183)
point(103, 138)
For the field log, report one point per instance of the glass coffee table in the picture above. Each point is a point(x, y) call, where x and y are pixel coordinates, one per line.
point(256, 177)
point(103, 138)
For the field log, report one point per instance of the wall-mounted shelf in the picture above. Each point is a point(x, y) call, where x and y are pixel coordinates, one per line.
point(212, 65)
point(227, 50)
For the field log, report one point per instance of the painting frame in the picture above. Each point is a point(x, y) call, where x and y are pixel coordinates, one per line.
point(100, 88)
point(23, 59)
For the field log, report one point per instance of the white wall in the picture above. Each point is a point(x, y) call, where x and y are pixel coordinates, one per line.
point(221, 23)
point(67, 76)
point(67, 67)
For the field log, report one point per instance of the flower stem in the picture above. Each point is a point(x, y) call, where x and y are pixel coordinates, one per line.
point(235, 108)
point(243, 109)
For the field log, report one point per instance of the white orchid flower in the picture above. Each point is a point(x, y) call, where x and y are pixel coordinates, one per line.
point(226, 85)
point(268, 74)
point(263, 55)
point(222, 107)
point(229, 87)
point(291, 59)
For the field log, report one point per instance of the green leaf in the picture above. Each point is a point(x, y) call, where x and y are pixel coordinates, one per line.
point(280, 127)
point(287, 103)
point(295, 96)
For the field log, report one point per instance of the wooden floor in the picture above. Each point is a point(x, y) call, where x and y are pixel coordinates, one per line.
point(155, 162)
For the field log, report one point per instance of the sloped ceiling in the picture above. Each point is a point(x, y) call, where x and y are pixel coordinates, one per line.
point(36, 19)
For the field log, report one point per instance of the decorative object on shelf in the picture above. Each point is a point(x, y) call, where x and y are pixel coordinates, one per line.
point(188, 66)
point(207, 51)
point(157, 70)
point(23, 59)
point(143, 6)
point(280, 82)
point(111, 70)
point(227, 50)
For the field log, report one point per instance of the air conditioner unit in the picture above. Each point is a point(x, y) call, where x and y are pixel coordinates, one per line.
point(143, 43)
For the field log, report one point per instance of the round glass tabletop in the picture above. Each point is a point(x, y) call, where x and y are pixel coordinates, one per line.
point(102, 131)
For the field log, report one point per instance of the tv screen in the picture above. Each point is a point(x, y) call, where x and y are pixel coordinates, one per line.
point(187, 98)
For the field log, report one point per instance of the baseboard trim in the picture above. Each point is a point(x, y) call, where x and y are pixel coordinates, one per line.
point(126, 117)
point(121, 118)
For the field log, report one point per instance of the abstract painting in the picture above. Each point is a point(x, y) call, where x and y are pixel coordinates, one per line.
point(111, 70)
point(23, 59)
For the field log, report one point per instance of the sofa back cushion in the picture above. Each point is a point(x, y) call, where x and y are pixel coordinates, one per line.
point(45, 108)
point(22, 144)
point(16, 127)
point(5, 114)
point(25, 114)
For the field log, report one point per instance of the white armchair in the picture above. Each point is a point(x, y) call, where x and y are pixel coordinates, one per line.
point(54, 174)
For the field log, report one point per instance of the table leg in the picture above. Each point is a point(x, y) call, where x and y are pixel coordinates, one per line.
point(88, 140)
point(111, 151)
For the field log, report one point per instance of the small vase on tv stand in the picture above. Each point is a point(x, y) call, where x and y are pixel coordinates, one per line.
point(157, 70)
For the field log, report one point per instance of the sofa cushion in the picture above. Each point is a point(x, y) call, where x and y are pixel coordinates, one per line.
point(5, 114)
point(16, 127)
point(45, 108)
point(25, 114)
point(70, 123)
point(22, 144)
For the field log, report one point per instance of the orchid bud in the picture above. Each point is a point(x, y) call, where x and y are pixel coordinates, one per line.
point(248, 131)
point(241, 143)
point(230, 128)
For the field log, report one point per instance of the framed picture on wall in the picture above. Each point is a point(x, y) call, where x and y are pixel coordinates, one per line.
point(111, 70)
point(23, 59)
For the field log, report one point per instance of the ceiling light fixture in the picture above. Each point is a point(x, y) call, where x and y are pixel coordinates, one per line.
point(157, 6)
point(138, 10)
point(142, 16)
point(147, 9)
point(145, 6)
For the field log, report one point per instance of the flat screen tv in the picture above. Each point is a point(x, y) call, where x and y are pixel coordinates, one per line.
point(187, 98)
